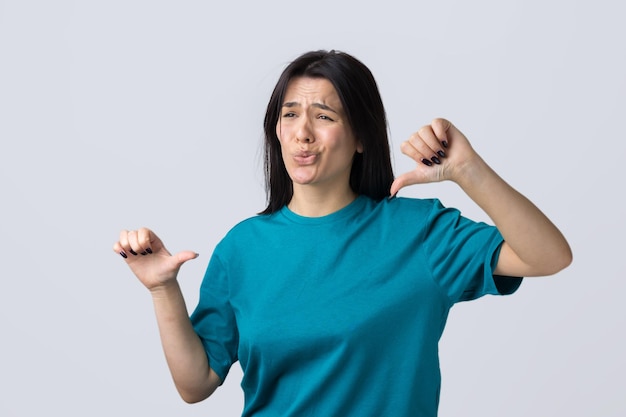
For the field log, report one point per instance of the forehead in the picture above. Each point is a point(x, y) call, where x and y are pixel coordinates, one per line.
point(307, 89)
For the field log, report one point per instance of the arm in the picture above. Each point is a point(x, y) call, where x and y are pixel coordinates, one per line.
point(157, 269)
point(184, 352)
point(533, 245)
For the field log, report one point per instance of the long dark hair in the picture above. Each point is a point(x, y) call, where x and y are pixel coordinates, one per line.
point(371, 172)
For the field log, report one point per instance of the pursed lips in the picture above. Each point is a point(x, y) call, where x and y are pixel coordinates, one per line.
point(305, 157)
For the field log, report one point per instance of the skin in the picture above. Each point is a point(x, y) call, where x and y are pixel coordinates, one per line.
point(184, 352)
point(318, 145)
point(533, 245)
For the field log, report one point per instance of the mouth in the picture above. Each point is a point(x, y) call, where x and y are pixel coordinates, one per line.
point(305, 158)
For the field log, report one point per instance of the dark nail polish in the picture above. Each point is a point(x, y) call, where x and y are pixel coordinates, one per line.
point(426, 162)
point(441, 154)
point(144, 253)
point(149, 250)
point(123, 254)
point(444, 143)
point(435, 160)
point(133, 252)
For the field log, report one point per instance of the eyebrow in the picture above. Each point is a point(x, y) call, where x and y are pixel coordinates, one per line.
point(318, 105)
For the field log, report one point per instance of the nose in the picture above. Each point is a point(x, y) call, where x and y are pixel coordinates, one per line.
point(304, 132)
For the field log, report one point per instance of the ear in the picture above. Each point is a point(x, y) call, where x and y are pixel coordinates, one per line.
point(359, 146)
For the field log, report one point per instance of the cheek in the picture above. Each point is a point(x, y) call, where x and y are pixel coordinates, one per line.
point(278, 131)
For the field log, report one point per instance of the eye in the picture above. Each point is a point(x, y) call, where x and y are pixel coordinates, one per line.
point(289, 114)
point(324, 117)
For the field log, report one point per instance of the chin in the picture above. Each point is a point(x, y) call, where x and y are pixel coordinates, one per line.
point(302, 181)
point(303, 178)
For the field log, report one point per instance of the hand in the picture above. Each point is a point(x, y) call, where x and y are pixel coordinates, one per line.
point(441, 152)
point(147, 257)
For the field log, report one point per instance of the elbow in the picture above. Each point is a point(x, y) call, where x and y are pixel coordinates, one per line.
point(566, 258)
point(559, 262)
point(550, 263)
point(191, 398)
point(193, 392)
point(569, 258)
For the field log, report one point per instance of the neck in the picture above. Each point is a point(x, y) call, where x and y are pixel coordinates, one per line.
point(311, 201)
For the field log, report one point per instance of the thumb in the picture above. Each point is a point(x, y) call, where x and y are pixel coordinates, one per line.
point(408, 178)
point(181, 257)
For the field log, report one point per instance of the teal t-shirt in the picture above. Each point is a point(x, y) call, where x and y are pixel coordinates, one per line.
point(341, 315)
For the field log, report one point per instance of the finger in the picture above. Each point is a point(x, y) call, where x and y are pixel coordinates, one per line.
point(431, 147)
point(117, 248)
point(133, 243)
point(440, 128)
point(416, 152)
point(125, 244)
point(123, 239)
point(145, 237)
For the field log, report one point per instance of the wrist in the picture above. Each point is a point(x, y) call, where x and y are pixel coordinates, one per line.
point(472, 173)
point(165, 289)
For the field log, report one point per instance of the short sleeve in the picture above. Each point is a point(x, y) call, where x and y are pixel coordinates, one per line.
point(462, 255)
point(214, 321)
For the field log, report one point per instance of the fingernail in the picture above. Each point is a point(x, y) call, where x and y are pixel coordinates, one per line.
point(441, 154)
point(123, 255)
point(144, 253)
point(435, 160)
point(444, 143)
point(133, 252)
point(427, 162)
point(149, 250)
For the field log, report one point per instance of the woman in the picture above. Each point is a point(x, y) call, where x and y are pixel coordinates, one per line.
point(334, 298)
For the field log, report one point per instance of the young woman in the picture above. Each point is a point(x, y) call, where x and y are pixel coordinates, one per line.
point(334, 298)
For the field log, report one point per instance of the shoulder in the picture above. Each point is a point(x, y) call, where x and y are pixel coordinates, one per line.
point(401, 206)
point(402, 216)
point(426, 204)
point(253, 224)
point(249, 229)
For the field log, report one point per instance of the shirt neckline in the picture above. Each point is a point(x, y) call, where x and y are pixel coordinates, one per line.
point(348, 211)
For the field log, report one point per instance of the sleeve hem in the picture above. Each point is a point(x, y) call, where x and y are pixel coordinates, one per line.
point(505, 285)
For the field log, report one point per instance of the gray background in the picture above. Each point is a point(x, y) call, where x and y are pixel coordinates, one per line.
point(121, 114)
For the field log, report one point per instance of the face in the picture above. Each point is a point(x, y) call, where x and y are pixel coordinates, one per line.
point(317, 143)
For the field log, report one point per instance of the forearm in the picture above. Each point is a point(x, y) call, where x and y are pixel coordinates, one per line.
point(533, 244)
point(183, 349)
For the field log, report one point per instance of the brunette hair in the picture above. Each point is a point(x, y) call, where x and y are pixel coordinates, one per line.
point(371, 172)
